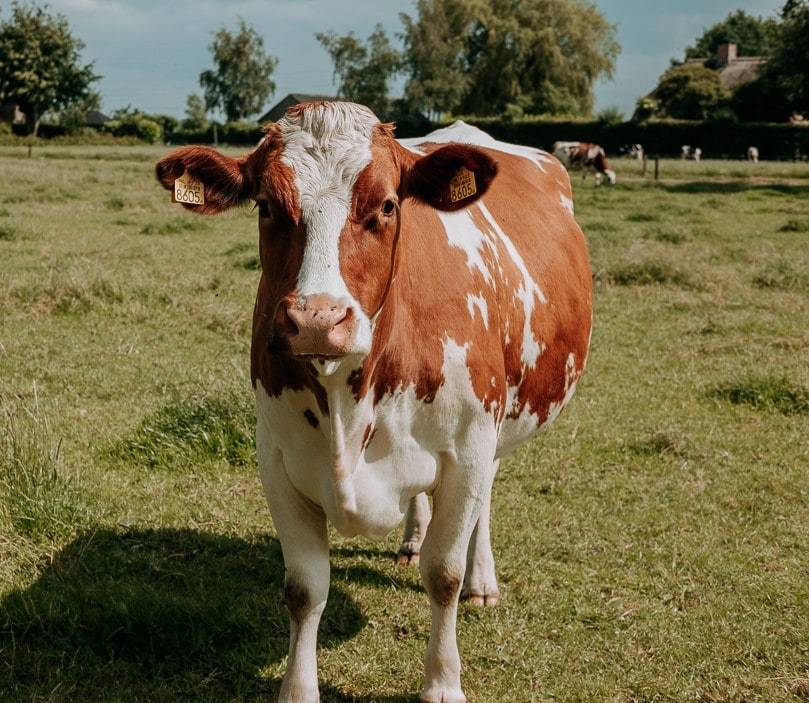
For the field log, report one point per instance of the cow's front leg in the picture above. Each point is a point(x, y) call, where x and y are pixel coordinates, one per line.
point(456, 506)
point(301, 528)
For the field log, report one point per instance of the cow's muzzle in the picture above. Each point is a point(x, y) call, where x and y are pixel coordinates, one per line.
point(315, 327)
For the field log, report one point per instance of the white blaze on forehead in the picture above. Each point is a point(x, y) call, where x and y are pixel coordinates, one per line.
point(327, 146)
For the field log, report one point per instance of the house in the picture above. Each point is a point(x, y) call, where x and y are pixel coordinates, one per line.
point(277, 111)
point(10, 113)
point(734, 70)
point(94, 118)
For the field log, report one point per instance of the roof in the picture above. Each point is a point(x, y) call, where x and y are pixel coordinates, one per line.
point(276, 112)
point(737, 72)
point(94, 118)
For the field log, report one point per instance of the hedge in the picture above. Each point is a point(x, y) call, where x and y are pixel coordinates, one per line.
point(723, 140)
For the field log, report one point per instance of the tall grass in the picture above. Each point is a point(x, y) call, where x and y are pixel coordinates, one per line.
point(39, 500)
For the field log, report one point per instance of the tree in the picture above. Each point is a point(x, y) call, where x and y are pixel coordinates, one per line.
point(196, 116)
point(363, 70)
point(241, 83)
point(534, 56)
point(73, 118)
point(787, 71)
point(40, 66)
point(691, 92)
point(435, 55)
point(753, 36)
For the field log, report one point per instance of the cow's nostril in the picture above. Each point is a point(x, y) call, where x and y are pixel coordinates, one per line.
point(316, 326)
point(284, 324)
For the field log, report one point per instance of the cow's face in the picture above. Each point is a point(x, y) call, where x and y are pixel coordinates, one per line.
point(328, 181)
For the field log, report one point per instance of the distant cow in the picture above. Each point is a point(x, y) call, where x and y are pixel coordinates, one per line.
point(424, 308)
point(633, 151)
point(691, 153)
point(584, 157)
point(752, 154)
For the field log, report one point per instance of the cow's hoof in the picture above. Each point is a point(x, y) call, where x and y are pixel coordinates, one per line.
point(407, 557)
point(443, 697)
point(487, 600)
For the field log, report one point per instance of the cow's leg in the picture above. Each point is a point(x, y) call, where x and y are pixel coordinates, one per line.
point(301, 529)
point(480, 582)
point(416, 522)
point(456, 507)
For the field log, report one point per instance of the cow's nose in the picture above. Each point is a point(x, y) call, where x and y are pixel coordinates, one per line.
point(318, 325)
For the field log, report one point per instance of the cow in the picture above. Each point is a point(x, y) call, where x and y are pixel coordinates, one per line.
point(691, 153)
point(584, 157)
point(424, 307)
point(632, 151)
point(752, 154)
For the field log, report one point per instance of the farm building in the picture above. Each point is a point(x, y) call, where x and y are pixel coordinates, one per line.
point(734, 70)
point(277, 111)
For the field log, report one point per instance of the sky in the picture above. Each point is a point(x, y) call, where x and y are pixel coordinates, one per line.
point(150, 53)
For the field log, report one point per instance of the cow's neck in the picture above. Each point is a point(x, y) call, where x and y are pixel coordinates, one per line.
point(350, 422)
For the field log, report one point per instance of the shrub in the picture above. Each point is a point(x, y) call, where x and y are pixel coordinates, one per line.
point(137, 126)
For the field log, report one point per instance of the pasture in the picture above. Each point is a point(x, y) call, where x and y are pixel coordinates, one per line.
point(651, 545)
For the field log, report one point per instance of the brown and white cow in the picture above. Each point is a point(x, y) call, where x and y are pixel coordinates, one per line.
point(584, 157)
point(424, 307)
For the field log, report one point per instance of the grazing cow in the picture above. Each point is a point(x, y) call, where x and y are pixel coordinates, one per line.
point(423, 308)
point(691, 153)
point(752, 154)
point(584, 157)
point(633, 151)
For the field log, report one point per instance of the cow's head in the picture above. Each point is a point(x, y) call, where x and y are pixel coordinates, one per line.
point(328, 181)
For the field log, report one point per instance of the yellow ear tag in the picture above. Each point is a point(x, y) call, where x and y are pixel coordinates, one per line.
point(188, 190)
point(462, 185)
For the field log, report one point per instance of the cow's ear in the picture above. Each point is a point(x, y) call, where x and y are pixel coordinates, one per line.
point(210, 182)
point(451, 177)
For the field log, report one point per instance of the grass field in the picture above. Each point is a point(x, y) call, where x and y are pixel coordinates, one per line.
point(652, 545)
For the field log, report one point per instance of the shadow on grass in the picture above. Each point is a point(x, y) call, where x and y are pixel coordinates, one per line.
point(156, 615)
point(734, 187)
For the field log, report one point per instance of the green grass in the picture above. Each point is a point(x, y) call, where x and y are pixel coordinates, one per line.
point(651, 546)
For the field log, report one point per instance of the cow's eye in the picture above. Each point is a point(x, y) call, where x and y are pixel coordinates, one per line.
point(388, 207)
point(263, 209)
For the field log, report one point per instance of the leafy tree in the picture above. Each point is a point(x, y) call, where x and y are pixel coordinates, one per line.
point(363, 70)
point(196, 117)
point(645, 108)
point(435, 55)
point(691, 92)
point(534, 56)
point(40, 66)
point(74, 117)
point(787, 72)
point(753, 36)
point(241, 83)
